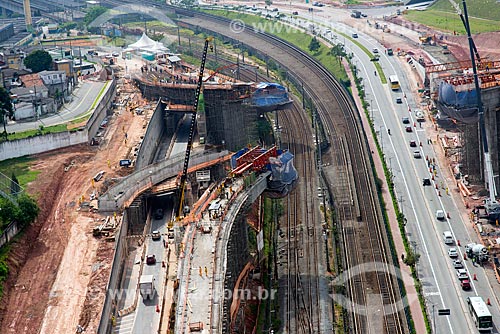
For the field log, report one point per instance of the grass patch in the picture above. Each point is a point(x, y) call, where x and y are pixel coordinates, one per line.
point(447, 21)
point(477, 9)
point(38, 132)
point(21, 169)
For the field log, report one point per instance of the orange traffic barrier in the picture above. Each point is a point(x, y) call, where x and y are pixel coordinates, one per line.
point(465, 256)
point(458, 243)
point(157, 308)
point(439, 193)
point(488, 302)
point(475, 278)
point(163, 264)
point(448, 215)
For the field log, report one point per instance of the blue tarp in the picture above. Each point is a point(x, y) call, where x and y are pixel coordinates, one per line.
point(459, 105)
point(269, 94)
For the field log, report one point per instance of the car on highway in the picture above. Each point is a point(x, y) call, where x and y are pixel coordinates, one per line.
point(405, 120)
point(275, 9)
point(452, 252)
point(158, 214)
point(150, 259)
point(440, 215)
point(426, 181)
point(417, 155)
point(375, 50)
point(462, 274)
point(156, 235)
point(413, 143)
point(457, 264)
point(354, 35)
point(399, 100)
point(465, 284)
point(295, 13)
point(408, 128)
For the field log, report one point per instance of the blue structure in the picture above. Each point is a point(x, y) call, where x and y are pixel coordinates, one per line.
point(284, 176)
point(270, 96)
point(459, 105)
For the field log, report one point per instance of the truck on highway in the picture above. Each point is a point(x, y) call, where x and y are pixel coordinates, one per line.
point(147, 286)
point(478, 251)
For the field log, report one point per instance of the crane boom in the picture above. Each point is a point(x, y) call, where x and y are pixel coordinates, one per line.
point(465, 22)
point(491, 204)
point(192, 128)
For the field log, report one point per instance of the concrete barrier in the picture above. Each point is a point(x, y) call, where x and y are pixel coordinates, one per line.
point(128, 188)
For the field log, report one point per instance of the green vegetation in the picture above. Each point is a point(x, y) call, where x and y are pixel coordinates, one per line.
point(451, 22)
point(479, 9)
point(4, 269)
point(38, 132)
point(5, 109)
point(38, 60)
point(20, 167)
point(93, 13)
point(292, 35)
point(484, 16)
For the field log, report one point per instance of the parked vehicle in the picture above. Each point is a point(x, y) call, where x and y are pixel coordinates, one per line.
point(147, 286)
point(465, 284)
point(440, 215)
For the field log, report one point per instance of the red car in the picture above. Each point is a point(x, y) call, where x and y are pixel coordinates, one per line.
point(465, 284)
point(151, 259)
point(409, 129)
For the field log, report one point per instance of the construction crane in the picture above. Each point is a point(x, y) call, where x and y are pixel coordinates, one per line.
point(491, 204)
point(192, 128)
point(465, 22)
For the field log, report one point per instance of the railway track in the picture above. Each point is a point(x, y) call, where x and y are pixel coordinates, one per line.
point(359, 214)
point(302, 308)
point(351, 181)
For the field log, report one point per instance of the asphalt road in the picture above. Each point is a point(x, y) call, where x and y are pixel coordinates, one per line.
point(83, 98)
point(147, 319)
point(440, 284)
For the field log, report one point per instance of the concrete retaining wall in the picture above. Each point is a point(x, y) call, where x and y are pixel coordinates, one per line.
point(151, 139)
point(112, 298)
point(39, 144)
point(102, 109)
point(9, 233)
point(52, 141)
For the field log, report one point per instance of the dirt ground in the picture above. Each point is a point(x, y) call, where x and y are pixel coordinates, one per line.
point(59, 270)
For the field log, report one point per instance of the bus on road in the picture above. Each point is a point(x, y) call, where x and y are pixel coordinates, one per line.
point(394, 82)
point(480, 313)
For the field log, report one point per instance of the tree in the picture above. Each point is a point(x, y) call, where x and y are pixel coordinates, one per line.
point(314, 45)
point(15, 188)
point(5, 109)
point(39, 60)
point(28, 209)
point(93, 13)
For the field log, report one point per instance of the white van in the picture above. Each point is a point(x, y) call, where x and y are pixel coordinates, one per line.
point(448, 237)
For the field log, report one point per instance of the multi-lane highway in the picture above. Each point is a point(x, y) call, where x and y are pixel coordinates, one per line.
point(419, 203)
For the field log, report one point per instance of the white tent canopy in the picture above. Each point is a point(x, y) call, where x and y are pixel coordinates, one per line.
point(143, 43)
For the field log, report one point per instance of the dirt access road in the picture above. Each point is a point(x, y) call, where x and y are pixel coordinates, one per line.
point(59, 270)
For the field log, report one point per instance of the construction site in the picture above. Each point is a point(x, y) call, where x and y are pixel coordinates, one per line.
point(452, 104)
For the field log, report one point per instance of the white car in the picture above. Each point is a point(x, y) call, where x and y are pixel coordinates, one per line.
point(417, 155)
point(457, 264)
point(462, 274)
point(452, 252)
point(375, 50)
point(440, 215)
